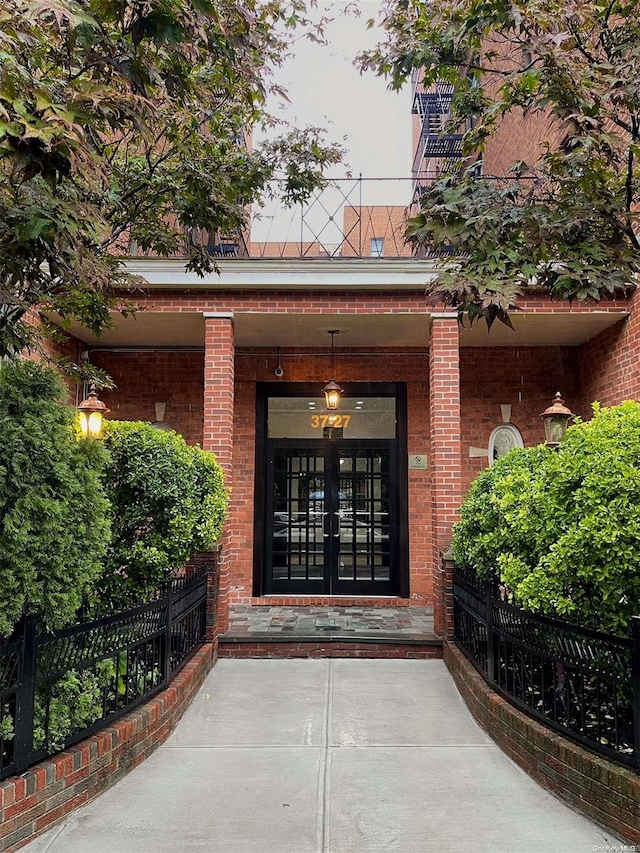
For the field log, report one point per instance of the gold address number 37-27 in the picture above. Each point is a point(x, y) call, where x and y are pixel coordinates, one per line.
point(322, 421)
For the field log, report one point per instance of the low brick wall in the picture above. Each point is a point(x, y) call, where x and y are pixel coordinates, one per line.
point(605, 792)
point(326, 649)
point(42, 796)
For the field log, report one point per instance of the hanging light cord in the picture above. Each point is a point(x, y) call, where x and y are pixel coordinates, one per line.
point(332, 332)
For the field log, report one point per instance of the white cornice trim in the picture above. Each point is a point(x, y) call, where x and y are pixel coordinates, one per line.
point(218, 315)
point(288, 274)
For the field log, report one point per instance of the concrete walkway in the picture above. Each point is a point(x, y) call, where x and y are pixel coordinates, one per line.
point(310, 756)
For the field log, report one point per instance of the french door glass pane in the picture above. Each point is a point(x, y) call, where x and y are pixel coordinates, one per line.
point(364, 516)
point(298, 515)
point(331, 519)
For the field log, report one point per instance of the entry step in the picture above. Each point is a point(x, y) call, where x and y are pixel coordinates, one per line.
point(329, 645)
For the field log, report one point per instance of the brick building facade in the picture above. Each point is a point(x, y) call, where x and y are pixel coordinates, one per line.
point(355, 505)
point(360, 512)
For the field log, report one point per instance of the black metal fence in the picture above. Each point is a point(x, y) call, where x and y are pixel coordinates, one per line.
point(582, 683)
point(58, 688)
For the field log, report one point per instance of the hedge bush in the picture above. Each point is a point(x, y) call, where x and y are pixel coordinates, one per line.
point(562, 529)
point(54, 528)
point(168, 501)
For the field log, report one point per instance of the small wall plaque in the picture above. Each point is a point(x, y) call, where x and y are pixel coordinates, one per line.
point(417, 461)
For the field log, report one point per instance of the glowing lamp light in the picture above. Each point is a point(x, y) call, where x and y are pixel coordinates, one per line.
point(332, 393)
point(556, 419)
point(91, 413)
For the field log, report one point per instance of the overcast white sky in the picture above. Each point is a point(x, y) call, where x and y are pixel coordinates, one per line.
point(325, 89)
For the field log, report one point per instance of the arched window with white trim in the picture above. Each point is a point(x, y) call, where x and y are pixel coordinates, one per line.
point(504, 438)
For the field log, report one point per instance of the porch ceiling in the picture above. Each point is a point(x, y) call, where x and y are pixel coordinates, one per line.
point(539, 330)
point(156, 330)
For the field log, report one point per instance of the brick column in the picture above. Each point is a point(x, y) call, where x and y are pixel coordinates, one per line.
point(446, 474)
point(219, 356)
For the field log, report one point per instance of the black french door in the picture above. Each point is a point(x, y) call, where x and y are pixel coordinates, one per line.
point(331, 517)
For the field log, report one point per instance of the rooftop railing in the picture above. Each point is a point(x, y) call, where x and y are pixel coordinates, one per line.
point(348, 218)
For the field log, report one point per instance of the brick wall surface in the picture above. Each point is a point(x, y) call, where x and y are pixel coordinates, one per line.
point(339, 302)
point(327, 649)
point(364, 223)
point(610, 363)
point(145, 378)
point(526, 379)
point(520, 138)
point(288, 249)
point(66, 348)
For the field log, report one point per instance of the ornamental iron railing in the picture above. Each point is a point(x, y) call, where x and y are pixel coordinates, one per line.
point(59, 688)
point(582, 683)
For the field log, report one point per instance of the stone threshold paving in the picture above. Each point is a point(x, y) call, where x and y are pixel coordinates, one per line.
point(278, 623)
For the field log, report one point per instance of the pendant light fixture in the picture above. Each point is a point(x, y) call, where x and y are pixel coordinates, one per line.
point(332, 390)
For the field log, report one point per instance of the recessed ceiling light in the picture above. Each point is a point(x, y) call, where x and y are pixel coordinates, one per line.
point(358, 402)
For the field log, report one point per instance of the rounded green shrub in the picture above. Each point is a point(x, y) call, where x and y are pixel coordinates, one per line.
point(491, 517)
point(53, 512)
point(562, 528)
point(168, 502)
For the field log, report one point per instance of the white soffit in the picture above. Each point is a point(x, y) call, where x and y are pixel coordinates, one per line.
point(538, 330)
point(356, 331)
point(259, 330)
point(300, 331)
point(148, 329)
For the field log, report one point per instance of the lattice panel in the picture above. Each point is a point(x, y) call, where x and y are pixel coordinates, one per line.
point(471, 633)
point(10, 655)
point(83, 645)
point(188, 597)
point(588, 651)
point(471, 598)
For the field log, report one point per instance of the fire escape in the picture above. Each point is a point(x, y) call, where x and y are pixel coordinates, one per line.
point(436, 149)
point(434, 143)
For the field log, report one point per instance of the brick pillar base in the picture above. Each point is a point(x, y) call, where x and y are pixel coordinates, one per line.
point(209, 560)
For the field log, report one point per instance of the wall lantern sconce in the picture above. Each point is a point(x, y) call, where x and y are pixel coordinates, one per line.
point(556, 419)
point(332, 390)
point(91, 412)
